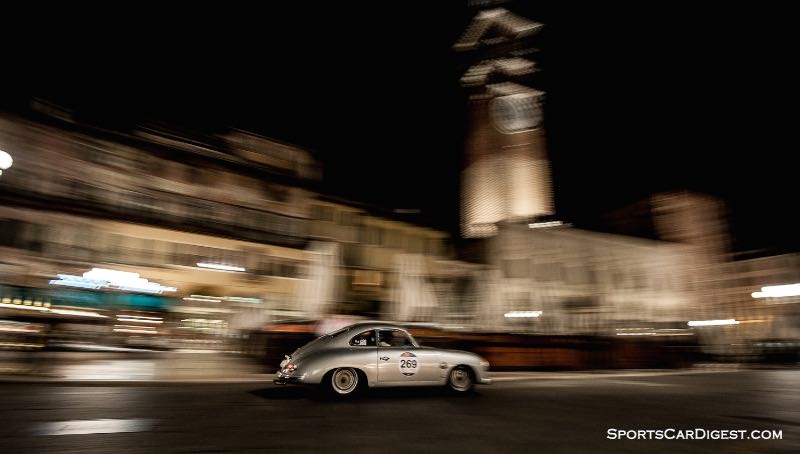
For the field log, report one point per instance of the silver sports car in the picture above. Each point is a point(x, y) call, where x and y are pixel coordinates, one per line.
point(377, 354)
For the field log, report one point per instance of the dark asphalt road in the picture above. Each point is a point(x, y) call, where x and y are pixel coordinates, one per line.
point(555, 415)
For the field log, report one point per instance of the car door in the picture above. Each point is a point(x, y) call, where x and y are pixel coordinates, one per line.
point(401, 361)
point(363, 352)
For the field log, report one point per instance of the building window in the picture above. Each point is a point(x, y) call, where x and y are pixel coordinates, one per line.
point(367, 277)
point(349, 218)
point(196, 176)
point(516, 268)
point(395, 239)
point(114, 248)
point(415, 244)
point(518, 300)
point(640, 281)
point(547, 272)
point(10, 233)
point(34, 237)
point(374, 235)
point(325, 213)
point(578, 275)
point(433, 246)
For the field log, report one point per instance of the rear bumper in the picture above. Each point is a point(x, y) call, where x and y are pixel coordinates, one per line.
point(287, 381)
point(283, 379)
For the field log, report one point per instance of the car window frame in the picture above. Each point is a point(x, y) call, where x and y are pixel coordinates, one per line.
point(374, 331)
point(414, 343)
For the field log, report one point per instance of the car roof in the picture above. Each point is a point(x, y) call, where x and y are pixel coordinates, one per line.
point(373, 325)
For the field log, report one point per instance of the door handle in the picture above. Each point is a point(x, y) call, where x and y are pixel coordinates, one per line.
point(384, 358)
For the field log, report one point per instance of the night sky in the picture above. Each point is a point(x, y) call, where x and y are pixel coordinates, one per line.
point(641, 96)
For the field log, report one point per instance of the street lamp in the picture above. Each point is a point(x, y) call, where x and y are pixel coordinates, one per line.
point(5, 161)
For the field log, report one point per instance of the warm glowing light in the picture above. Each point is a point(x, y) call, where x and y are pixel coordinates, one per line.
point(19, 306)
point(543, 225)
point(203, 299)
point(138, 320)
point(240, 299)
point(75, 281)
point(135, 331)
point(20, 345)
point(778, 291)
point(46, 308)
point(15, 327)
point(522, 314)
point(99, 278)
point(729, 321)
point(220, 267)
point(139, 316)
point(5, 160)
point(77, 313)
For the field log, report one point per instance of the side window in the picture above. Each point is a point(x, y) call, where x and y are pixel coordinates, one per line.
point(394, 338)
point(365, 339)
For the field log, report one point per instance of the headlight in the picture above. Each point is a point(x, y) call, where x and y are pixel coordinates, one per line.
point(485, 364)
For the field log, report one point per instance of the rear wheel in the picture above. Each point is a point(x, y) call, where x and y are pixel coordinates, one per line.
point(460, 380)
point(344, 381)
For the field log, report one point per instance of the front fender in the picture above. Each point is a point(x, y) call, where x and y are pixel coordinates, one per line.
point(456, 358)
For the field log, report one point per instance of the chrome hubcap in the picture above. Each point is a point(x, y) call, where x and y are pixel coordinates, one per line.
point(344, 381)
point(460, 379)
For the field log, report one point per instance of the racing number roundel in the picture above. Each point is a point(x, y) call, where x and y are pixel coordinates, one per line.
point(408, 364)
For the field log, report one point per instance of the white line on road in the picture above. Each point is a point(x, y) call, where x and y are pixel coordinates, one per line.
point(94, 426)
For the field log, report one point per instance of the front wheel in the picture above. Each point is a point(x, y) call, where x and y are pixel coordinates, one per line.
point(344, 381)
point(460, 380)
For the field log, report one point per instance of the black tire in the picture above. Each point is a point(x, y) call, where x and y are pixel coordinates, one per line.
point(461, 380)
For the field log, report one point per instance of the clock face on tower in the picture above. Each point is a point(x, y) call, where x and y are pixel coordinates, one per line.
point(515, 113)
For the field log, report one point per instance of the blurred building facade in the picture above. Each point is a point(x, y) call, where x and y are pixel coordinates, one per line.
point(768, 320)
point(232, 222)
point(723, 282)
point(389, 267)
point(546, 277)
point(573, 281)
point(222, 219)
point(235, 224)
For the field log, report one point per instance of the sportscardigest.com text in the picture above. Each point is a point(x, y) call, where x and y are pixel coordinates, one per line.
point(693, 434)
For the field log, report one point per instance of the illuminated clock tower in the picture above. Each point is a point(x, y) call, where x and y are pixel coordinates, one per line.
point(506, 175)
